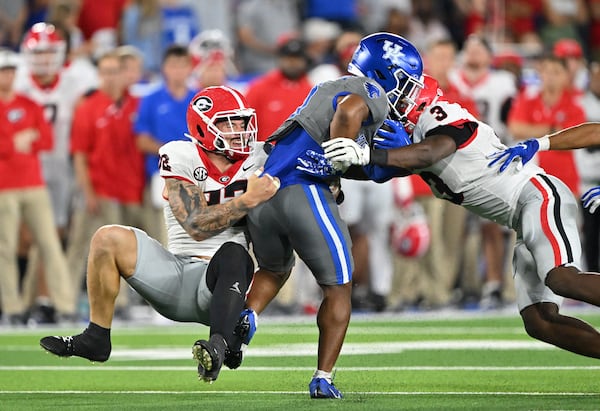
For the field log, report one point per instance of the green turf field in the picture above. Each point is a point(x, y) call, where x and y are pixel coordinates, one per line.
point(434, 362)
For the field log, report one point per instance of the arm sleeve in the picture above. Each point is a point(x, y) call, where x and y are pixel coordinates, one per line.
point(460, 133)
point(375, 173)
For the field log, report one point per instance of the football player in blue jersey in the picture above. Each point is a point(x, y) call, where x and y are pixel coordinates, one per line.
point(303, 216)
point(449, 150)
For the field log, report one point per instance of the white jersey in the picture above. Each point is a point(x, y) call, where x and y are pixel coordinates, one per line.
point(490, 94)
point(59, 100)
point(464, 176)
point(186, 160)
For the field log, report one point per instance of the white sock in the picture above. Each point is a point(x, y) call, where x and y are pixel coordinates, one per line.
point(323, 374)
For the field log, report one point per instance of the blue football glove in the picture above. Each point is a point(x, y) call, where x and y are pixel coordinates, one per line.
point(522, 152)
point(397, 137)
point(591, 199)
point(316, 164)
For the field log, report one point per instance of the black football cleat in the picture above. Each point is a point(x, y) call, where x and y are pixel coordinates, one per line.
point(78, 346)
point(209, 355)
point(233, 359)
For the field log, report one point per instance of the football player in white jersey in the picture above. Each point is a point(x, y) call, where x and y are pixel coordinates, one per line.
point(449, 151)
point(585, 135)
point(210, 183)
point(57, 85)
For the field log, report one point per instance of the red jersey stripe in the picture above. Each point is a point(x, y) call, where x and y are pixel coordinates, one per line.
point(544, 221)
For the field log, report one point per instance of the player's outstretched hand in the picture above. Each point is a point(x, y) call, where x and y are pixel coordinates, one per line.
point(345, 150)
point(391, 135)
point(261, 187)
point(522, 153)
point(591, 199)
point(316, 164)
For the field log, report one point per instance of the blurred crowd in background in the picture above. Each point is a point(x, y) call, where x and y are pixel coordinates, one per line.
point(114, 78)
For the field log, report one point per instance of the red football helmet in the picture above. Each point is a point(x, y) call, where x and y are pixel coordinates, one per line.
point(410, 235)
point(428, 96)
point(218, 104)
point(43, 49)
point(210, 45)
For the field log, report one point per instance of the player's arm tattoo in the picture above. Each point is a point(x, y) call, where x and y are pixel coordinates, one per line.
point(198, 219)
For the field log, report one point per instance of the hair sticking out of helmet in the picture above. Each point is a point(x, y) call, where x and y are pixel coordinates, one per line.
point(394, 63)
point(428, 96)
point(43, 49)
point(219, 119)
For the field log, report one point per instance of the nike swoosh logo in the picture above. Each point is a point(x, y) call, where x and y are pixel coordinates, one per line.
point(247, 167)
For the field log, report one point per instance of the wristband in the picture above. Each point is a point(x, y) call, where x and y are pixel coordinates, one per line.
point(544, 143)
point(379, 157)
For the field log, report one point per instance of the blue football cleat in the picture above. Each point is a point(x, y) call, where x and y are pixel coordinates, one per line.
point(321, 388)
point(244, 331)
point(246, 326)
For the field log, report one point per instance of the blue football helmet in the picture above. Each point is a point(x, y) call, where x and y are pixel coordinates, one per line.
point(394, 63)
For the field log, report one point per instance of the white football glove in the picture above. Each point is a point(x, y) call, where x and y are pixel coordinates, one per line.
point(345, 150)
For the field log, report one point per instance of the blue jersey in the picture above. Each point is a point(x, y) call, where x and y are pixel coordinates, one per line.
point(309, 125)
point(163, 117)
point(179, 25)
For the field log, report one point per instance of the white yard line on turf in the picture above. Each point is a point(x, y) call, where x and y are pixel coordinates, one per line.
point(405, 393)
point(309, 349)
point(93, 367)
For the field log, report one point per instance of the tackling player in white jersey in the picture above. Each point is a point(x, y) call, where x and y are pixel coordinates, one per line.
point(449, 150)
point(211, 183)
point(586, 135)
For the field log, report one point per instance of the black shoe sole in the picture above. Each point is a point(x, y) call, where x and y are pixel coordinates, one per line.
point(204, 353)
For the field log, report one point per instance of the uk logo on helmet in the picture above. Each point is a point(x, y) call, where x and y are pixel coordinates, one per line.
point(202, 104)
point(393, 52)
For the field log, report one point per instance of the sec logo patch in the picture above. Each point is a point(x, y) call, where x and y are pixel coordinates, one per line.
point(200, 174)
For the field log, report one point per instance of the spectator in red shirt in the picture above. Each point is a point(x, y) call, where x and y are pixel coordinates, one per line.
point(23, 195)
point(276, 94)
point(571, 51)
point(108, 165)
point(99, 23)
point(553, 107)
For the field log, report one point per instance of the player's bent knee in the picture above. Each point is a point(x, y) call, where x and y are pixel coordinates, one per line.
point(115, 243)
point(539, 320)
point(563, 281)
point(535, 326)
point(109, 237)
point(232, 260)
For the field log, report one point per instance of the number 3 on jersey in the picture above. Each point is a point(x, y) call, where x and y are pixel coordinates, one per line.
point(438, 113)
